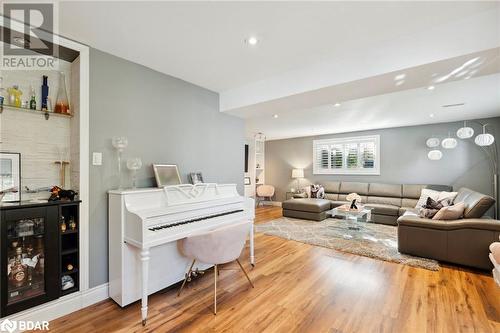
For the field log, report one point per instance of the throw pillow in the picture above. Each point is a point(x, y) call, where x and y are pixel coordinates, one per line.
point(450, 212)
point(432, 206)
point(426, 193)
point(317, 191)
point(435, 195)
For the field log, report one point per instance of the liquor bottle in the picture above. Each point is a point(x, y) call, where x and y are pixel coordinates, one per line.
point(41, 255)
point(63, 224)
point(15, 96)
point(18, 273)
point(2, 94)
point(45, 93)
point(33, 98)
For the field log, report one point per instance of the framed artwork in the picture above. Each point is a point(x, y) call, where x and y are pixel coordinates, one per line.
point(195, 178)
point(247, 181)
point(10, 176)
point(166, 174)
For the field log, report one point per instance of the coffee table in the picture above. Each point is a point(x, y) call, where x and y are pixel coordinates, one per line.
point(353, 217)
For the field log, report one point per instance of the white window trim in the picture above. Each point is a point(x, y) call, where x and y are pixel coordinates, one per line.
point(344, 171)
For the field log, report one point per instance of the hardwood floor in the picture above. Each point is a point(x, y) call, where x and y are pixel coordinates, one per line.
point(303, 288)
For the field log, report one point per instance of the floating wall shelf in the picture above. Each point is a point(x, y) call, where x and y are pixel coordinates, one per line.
point(46, 114)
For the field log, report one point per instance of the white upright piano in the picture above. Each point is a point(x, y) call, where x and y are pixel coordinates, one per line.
point(145, 224)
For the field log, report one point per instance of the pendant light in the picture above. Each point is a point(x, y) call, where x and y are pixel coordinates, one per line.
point(433, 142)
point(435, 155)
point(465, 132)
point(449, 142)
point(484, 139)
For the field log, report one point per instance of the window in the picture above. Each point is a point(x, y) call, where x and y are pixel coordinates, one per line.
point(357, 156)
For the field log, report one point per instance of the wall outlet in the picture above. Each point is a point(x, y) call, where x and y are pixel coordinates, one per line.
point(96, 158)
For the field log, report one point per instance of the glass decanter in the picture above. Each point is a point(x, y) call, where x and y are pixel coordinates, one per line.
point(62, 103)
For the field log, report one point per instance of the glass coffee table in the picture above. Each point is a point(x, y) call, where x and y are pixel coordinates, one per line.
point(353, 217)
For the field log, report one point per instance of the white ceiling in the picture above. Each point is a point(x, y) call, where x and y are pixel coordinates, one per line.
point(203, 42)
point(481, 96)
point(310, 55)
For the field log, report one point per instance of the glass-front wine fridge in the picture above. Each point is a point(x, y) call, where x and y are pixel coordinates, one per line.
point(29, 255)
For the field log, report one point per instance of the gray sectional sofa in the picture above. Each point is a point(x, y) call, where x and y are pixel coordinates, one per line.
point(464, 241)
point(388, 201)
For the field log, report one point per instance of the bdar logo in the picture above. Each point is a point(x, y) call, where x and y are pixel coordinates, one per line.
point(8, 326)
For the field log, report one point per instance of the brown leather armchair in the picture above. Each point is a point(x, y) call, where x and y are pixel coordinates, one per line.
point(464, 241)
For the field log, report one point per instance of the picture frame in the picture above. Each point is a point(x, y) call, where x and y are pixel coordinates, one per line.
point(195, 178)
point(247, 181)
point(166, 174)
point(10, 176)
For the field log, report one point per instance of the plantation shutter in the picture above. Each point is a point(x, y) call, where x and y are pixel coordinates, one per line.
point(347, 155)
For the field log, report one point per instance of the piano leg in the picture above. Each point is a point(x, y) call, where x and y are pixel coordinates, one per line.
point(145, 274)
point(252, 255)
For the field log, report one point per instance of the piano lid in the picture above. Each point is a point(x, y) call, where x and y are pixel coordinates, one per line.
point(173, 195)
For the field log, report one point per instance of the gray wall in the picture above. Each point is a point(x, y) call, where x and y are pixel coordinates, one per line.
point(403, 159)
point(166, 120)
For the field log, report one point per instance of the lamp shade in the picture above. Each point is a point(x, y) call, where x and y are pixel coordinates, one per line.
point(435, 155)
point(297, 173)
point(449, 143)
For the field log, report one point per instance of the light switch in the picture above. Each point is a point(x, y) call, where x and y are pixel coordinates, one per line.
point(96, 158)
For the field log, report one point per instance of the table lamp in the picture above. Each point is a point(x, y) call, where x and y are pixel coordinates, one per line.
point(298, 173)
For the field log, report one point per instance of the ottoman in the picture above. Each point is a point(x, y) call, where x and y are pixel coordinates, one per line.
point(307, 208)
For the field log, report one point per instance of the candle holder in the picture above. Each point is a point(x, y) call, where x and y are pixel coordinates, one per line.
point(119, 143)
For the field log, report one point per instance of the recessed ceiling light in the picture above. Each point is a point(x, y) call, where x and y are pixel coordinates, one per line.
point(252, 40)
point(275, 116)
point(431, 88)
point(452, 105)
point(431, 115)
point(337, 104)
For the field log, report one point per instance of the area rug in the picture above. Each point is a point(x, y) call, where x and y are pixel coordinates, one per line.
point(372, 240)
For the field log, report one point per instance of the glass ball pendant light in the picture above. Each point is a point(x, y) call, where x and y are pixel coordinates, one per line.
point(433, 142)
point(465, 132)
point(449, 142)
point(435, 155)
point(484, 139)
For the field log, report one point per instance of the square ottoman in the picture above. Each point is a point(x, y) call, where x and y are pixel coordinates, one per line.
point(307, 208)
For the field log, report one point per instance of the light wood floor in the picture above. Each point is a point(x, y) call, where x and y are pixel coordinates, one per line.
point(302, 288)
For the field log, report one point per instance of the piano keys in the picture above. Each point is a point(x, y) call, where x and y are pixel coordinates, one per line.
point(145, 224)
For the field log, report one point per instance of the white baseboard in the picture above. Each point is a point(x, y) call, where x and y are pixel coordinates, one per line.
point(62, 306)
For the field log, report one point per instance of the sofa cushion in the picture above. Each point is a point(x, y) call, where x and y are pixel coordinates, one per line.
point(476, 204)
point(331, 196)
point(307, 205)
point(407, 210)
point(415, 221)
point(383, 209)
point(385, 201)
point(405, 202)
point(332, 187)
point(384, 190)
point(342, 197)
point(336, 203)
point(412, 191)
point(352, 187)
